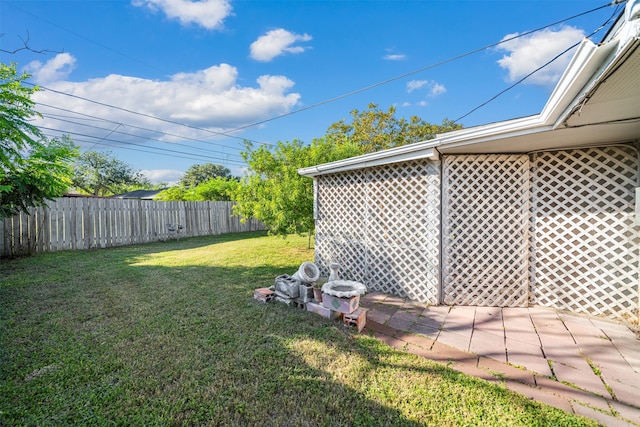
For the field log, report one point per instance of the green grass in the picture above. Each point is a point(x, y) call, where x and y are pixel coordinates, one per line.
point(168, 334)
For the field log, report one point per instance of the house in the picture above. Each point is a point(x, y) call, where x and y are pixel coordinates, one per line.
point(139, 194)
point(540, 210)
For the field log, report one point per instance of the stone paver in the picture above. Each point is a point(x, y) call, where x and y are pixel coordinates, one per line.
point(514, 346)
point(488, 344)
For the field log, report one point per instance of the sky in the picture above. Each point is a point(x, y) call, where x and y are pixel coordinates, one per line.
point(166, 84)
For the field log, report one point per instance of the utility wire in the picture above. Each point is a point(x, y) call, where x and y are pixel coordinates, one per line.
point(96, 118)
point(132, 143)
point(130, 58)
point(419, 70)
point(615, 12)
point(49, 135)
point(142, 114)
point(137, 136)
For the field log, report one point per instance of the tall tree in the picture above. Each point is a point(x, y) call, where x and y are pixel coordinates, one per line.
point(101, 174)
point(33, 169)
point(198, 174)
point(216, 189)
point(275, 193)
point(375, 129)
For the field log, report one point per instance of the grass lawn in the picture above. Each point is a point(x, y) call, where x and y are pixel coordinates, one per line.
point(168, 334)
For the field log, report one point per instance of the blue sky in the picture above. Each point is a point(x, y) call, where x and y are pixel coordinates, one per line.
point(208, 68)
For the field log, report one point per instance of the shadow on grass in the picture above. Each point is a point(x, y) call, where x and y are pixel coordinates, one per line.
point(123, 338)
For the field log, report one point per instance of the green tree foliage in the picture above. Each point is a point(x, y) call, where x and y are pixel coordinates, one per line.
point(101, 174)
point(375, 129)
point(275, 193)
point(216, 189)
point(198, 174)
point(33, 169)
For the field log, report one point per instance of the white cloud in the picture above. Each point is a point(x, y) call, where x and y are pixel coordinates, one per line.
point(209, 14)
point(527, 53)
point(168, 176)
point(437, 89)
point(209, 98)
point(276, 43)
point(395, 57)
point(434, 88)
point(416, 84)
point(57, 68)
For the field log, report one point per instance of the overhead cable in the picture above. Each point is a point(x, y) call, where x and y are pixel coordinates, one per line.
point(133, 143)
point(419, 70)
point(136, 136)
point(96, 118)
point(537, 69)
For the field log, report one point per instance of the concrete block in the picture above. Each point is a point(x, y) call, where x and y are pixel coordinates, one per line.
point(322, 311)
point(343, 305)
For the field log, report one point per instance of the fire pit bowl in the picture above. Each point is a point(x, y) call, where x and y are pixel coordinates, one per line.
point(344, 288)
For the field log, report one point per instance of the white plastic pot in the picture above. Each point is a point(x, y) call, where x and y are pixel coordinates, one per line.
point(307, 273)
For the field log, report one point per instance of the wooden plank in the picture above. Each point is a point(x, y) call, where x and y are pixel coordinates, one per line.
point(86, 223)
point(108, 222)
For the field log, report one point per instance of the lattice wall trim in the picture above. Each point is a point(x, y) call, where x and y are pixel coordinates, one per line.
point(586, 257)
point(485, 230)
point(382, 225)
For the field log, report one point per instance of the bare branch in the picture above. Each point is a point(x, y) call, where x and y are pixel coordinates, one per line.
point(27, 47)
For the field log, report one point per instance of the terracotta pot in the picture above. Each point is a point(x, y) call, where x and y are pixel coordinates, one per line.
point(317, 294)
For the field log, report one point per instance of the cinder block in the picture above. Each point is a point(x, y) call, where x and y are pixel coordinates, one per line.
point(263, 295)
point(343, 305)
point(358, 318)
point(284, 300)
point(322, 311)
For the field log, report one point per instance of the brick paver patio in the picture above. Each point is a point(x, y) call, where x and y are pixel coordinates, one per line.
point(580, 364)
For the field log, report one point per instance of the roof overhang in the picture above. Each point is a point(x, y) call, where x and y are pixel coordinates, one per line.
point(596, 102)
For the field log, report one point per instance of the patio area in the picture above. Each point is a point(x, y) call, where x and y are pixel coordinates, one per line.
point(586, 365)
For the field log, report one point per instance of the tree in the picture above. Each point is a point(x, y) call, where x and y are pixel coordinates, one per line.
point(33, 169)
point(216, 189)
point(101, 174)
point(273, 191)
point(375, 129)
point(197, 174)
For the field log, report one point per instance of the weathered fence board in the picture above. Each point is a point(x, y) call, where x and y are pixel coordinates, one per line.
point(88, 223)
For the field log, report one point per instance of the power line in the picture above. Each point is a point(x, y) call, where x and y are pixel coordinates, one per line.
point(136, 136)
point(537, 69)
point(133, 143)
point(143, 114)
point(130, 58)
point(96, 118)
point(419, 70)
point(125, 148)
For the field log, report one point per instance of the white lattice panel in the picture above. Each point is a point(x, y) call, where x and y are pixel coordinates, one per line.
point(485, 230)
point(586, 257)
point(382, 226)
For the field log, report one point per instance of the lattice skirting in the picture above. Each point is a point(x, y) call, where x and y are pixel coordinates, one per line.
point(553, 229)
point(382, 225)
point(586, 244)
point(485, 230)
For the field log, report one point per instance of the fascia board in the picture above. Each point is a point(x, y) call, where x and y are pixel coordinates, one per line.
point(595, 82)
point(401, 154)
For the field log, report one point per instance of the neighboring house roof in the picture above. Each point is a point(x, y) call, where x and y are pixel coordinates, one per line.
point(139, 194)
point(596, 102)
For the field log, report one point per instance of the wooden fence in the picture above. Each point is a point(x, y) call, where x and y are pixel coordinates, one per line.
point(88, 223)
